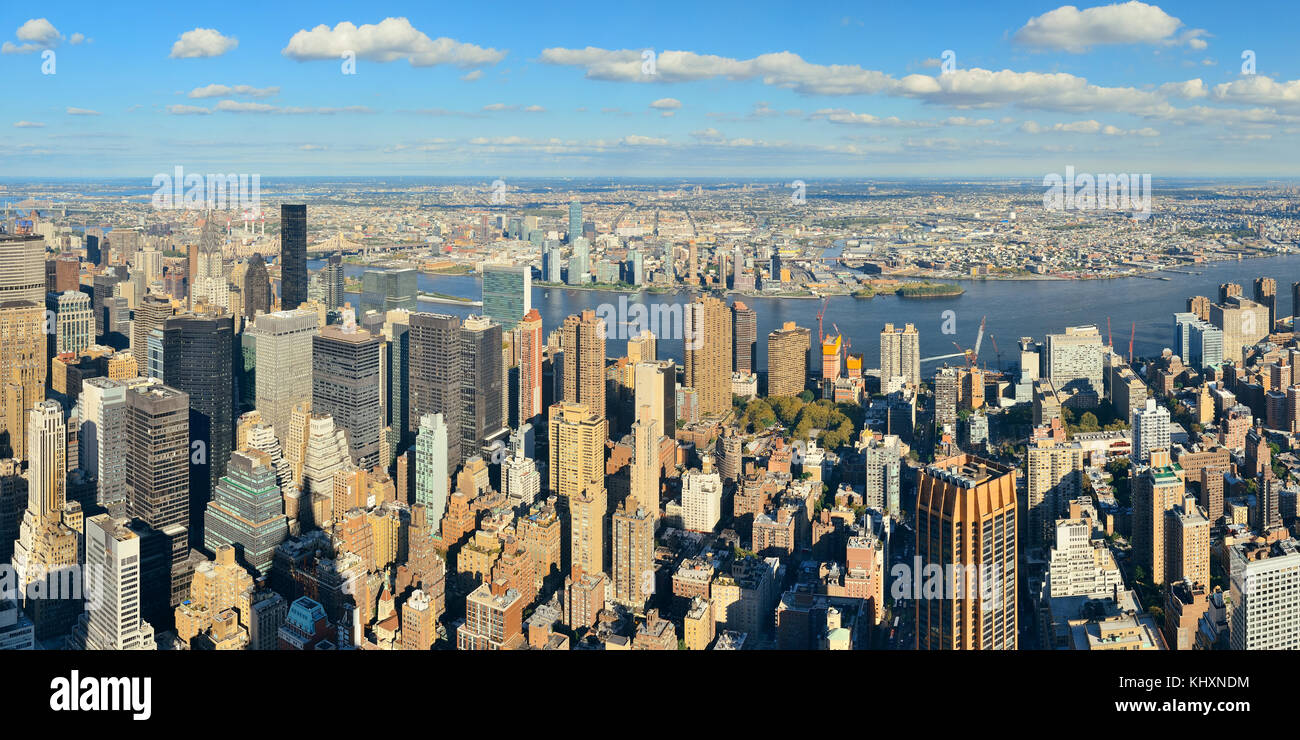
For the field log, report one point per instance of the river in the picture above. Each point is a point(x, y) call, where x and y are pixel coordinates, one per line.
point(1013, 309)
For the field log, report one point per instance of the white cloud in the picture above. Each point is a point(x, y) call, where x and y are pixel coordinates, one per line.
point(1259, 90)
point(472, 75)
point(1085, 127)
point(1189, 90)
point(243, 106)
point(29, 124)
point(312, 148)
point(36, 34)
point(389, 40)
point(493, 107)
point(188, 110)
point(82, 112)
point(221, 91)
point(76, 38)
point(1069, 29)
point(202, 42)
point(666, 104)
point(535, 109)
point(247, 106)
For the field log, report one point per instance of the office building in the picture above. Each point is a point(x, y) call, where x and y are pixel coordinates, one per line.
point(529, 343)
point(437, 374)
point(507, 293)
point(1265, 592)
point(113, 618)
point(345, 384)
point(432, 468)
point(966, 522)
point(582, 340)
point(102, 441)
point(293, 255)
point(283, 364)
point(74, 322)
point(481, 381)
point(247, 511)
point(197, 361)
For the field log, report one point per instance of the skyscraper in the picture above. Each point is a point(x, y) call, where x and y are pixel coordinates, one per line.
point(74, 322)
point(284, 364)
point(481, 377)
point(900, 354)
point(1265, 590)
point(293, 255)
point(197, 361)
point(787, 360)
point(102, 443)
point(389, 290)
point(575, 221)
point(1054, 477)
point(247, 511)
point(1155, 490)
point(507, 293)
point(432, 468)
point(646, 432)
point(158, 456)
point(633, 551)
point(1266, 295)
point(707, 324)
point(345, 384)
point(745, 333)
point(210, 285)
point(528, 340)
point(582, 338)
point(150, 313)
point(1074, 362)
point(966, 524)
point(257, 288)
point(23, 363)
point(332, 279)
point(436, 375)
point(113, 617)
point(577, 449)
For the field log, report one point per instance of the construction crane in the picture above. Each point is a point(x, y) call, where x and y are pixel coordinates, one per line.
point(1110, 340)
point(997, 352)
point(1132, 334)
point(821, 314)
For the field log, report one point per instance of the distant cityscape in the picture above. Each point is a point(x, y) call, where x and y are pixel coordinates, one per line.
point(225, 449)
point(671, 327)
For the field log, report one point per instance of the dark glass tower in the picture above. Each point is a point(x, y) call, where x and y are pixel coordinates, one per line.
point(293, 255)
point(481, 378)
point(436, 373)
point(197, 359)
point(345, 385)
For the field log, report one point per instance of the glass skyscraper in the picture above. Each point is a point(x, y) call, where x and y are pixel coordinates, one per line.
point(507, 294)
point(387, 290)
point(575, 221)
point(293, 255)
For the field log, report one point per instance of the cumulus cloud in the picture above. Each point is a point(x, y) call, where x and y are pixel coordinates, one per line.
point(223, 91)
point(188, 110)
point(389, 40)
point(666, 104)
point(840, 115)
point(82, 112)
point(37, 34)
point(29, 124)
point(1259, 90)
point(202, 42)
point(1069, 29)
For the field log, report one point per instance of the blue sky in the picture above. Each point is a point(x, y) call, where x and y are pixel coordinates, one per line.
point(739, 89)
